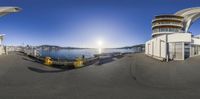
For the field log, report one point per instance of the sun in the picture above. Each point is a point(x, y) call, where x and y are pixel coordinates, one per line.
point(100, 46)
point(100, 43)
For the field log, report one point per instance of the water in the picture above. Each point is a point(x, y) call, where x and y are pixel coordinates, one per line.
point(72, 54)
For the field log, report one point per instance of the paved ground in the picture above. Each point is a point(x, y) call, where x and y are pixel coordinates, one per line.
point(174, 74)
point(131, 77)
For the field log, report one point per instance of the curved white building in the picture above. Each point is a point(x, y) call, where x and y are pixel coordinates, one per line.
point(171, 39)
point(5, 11)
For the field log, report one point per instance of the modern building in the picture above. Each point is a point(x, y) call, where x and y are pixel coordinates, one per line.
point(171, 39)
point(5, 11)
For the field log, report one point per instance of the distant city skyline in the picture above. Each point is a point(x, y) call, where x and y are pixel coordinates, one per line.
point(83, 23)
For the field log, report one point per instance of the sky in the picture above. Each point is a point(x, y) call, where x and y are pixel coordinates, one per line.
point(82, 23)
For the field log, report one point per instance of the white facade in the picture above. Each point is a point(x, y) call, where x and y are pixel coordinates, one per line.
point(171, 39)
point(157, 46)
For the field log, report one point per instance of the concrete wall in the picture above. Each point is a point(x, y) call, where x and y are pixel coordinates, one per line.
point(156, 47)
point(1, 50)
point(179, 37)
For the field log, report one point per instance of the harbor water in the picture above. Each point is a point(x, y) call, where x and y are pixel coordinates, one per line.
point(71, 54)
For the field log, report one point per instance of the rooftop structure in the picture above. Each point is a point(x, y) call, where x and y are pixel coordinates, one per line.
point(166, 24)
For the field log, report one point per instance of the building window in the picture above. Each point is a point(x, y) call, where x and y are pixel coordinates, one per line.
point(167, 30)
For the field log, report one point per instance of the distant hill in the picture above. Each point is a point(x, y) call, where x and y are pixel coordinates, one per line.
point(58, 47)
point(134, 46)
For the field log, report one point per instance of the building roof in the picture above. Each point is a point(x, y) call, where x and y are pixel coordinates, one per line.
point(197, 36)
point(190, 15)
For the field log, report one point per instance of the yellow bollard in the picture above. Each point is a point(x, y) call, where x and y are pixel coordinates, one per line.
point(78, 63)
point(48, 61)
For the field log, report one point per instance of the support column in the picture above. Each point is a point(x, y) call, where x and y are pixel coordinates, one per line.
point(167, 48)
point(183, 50)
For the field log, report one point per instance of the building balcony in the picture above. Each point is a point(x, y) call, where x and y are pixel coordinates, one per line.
point(167, 19)
point(166, 25)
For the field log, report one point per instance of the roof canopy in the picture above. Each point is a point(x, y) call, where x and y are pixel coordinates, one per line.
point(190, 15)
point(7, 10)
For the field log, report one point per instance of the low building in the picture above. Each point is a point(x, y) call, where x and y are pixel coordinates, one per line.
point(171, 39)
point(1, 45)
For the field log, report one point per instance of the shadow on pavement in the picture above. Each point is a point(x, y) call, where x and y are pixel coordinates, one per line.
point(31, 60)
point(104, 61)
point(119, 57)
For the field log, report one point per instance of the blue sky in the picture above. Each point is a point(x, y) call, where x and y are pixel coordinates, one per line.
point(81, 23)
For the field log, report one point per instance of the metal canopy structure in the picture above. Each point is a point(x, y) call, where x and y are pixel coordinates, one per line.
point(7, 10)
point(190, 16)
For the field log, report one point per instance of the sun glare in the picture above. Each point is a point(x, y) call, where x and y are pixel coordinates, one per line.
point(100, 46)
point(100, 43)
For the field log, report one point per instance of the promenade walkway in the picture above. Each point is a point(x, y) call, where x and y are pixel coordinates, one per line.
point(134, 76)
